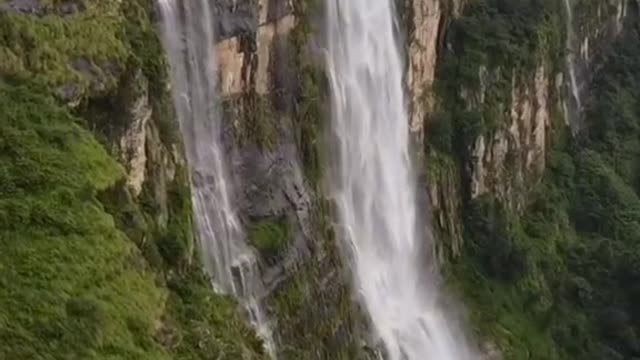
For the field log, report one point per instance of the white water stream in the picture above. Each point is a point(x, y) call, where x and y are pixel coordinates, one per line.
point(571, 54)
point(188, 38)
point(375, 189)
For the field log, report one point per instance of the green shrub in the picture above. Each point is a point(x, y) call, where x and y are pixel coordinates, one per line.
point(492, 241)
point(439, 132)
point(579, 234)
point(270, 236)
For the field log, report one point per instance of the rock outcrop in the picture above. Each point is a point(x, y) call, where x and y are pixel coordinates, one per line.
point(424, 33)
point(507, 161)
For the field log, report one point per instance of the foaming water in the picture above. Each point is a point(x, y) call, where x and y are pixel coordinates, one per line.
point(375, 189)
point(188, 38)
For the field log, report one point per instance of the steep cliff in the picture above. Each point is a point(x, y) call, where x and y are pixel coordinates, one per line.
point(513, 145)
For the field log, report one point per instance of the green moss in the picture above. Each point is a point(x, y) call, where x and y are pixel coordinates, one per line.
point(314, 309)
point(270, 236)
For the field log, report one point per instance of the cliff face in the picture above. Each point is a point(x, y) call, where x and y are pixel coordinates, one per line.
point(593, 27)
point(508, 104)
point(273, 90)
point(508, 158)
point(525, 128)
point(424, 21)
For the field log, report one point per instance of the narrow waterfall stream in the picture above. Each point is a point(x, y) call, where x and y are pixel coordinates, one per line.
point(571, 54)
point(374, 186)
point(188, 38)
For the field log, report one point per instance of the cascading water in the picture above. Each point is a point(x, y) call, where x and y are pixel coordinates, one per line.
point(573, 81)
point(188, 38)
point(375, 189)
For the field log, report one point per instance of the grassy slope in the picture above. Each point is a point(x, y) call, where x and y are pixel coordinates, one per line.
point(73, 283)
point(76, 287)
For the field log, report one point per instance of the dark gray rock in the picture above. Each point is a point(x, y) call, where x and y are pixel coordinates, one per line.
point(236, 17)
point(98, 75)
point(23, 6)
point(69, 7)
point(269, 183)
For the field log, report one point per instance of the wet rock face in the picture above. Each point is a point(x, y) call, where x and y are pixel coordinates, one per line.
point(236, 17)
point(305, 288)
point(269, 183)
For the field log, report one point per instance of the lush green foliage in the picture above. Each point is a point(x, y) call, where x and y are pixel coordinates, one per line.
point(492, 44)
point(73, 284)
point(270, 236)
point(77, 287)
point(560, 282)
point(87, 270)
point(52, 47)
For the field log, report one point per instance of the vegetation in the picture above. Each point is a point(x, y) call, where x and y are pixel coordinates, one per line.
point(311, 89)
point(270, 236)
point(560, 281)
point(492, 44)
point(254, 119)
point(74, 283)
point(40, 47)
point(88, 270)
point(314, 307)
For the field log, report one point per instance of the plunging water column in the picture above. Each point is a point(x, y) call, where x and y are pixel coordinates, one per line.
point(374, 186)
point(188, 38)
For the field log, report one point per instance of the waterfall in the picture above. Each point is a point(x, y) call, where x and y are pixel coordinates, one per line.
point(573, 81)
point(188, 37)
point(375, 190)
